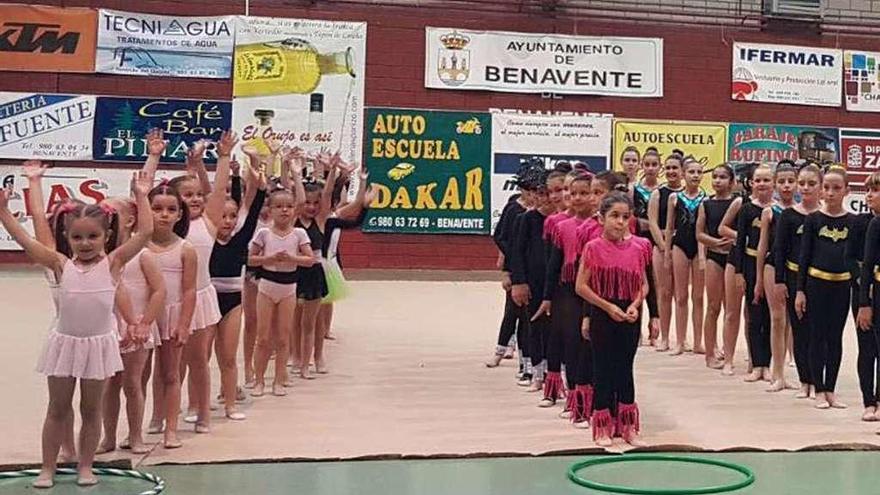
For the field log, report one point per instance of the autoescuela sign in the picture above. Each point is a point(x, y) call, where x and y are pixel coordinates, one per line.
point(431, 170)
point(122, 123)
point(535, 63)
point(796, 75)
point(47, 39)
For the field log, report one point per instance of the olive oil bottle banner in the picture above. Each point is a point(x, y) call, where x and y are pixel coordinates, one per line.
point(300, 82)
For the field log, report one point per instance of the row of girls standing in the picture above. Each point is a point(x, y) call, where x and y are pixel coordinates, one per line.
point(154, 274)
point(778, 252)
point(577, 281)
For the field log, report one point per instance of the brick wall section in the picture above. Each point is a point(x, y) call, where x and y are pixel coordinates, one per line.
point(697, 85)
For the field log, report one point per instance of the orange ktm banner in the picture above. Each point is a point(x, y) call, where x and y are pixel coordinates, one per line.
point(47, 39)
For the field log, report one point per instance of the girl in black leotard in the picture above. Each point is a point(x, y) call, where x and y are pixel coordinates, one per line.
point(785, 178)
point(824, 278)
point(657, 217)
point(681, 253)
point(709, 216)
point(787, 251)
point(748, 234)
point(641, 195)
point(868, 302)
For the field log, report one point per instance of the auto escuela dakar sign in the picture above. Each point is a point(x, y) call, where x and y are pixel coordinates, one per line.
point(796, 75)
point(536, 63)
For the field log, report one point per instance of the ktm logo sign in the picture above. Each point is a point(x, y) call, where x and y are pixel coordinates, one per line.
point(39, 38)
point(47, 39)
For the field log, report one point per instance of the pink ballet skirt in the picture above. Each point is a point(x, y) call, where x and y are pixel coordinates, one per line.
point(207, 310)
point(84, 342)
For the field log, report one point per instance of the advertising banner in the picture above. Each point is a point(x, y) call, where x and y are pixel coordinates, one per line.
point(40, 38)
point(431, 169)
point(536, 63)
point(122, 123)
point(796, 75)
point(518, 137)
point(300, 82)
point(88, 185)
point(860, 153)
point(160, 45)
point(706, 141)
point(861, 81)
point(46, 126)
point(770, 143)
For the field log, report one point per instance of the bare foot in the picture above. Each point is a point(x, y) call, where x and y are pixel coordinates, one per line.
point(679, 350)
point(836, 404)
point(235, 415)
point(508, 354)
point(494, 361)
point(249, 383)
point(259, 390)
point(306, 374)
point(106, 446)
point(634, 439)
point(804, 392)
point(44, 480)
point(278, 390)
point(86, 478)
point(754, 376)
point(604, 441)
point(699, 350)
point(766, 375)
point(536, 386)
point(139, 447)
point(68, 456)
point(663, 347)
point(727, 370)
point(870, 414)
point(714, 363)
point(776, 386)
point(321, 368)
point(821, 401)
point(171, 441)
point(202, 428)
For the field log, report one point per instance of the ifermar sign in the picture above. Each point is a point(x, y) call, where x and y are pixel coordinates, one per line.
point(159, 45)
point(47, 39)
point(536, 63)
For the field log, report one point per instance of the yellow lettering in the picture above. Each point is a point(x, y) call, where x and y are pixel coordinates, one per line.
point(377, 148)
point(450, 197)
point(383, 196)
point(429, 150)
point(379, 126)
point(401, 200)
point(145, 110)
point(425, 200)
point(453, 152)
point(418, 125)
point(473, 195)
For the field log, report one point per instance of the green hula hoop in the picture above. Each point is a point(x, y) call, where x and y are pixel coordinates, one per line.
point(159, 483)
point(749, 476)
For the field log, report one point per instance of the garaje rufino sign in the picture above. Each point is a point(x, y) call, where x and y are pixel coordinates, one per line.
point(47, 39)
point(536, 63)
point(431, 170)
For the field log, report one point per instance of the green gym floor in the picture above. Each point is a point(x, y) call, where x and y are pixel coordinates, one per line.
point(796, 473)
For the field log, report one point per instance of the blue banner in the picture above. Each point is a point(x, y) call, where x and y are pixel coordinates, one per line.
point(122, 123)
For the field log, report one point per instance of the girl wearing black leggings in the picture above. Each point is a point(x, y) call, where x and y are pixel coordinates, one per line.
point(824, 277)
point(567, 311)
point(612, 279)
point(868, 301)
point(787, 250)
point(748, 235)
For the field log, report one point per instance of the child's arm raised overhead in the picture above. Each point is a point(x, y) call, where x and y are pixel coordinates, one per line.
point(36, 251)
point(217, 197)
point(327, 193)
point(124, 253)
point(155, 147)
point(34, 170)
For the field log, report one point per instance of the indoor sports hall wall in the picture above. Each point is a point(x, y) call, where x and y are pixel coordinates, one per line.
point(696, 65)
